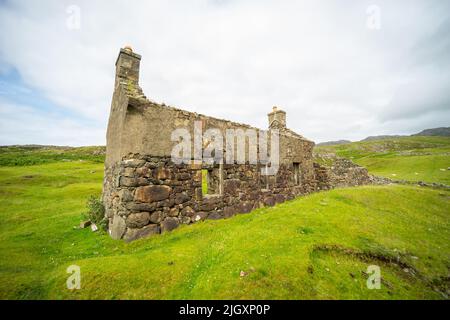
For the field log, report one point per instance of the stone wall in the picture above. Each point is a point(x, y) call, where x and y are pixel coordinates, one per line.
point(341, 173)
point(149, 195)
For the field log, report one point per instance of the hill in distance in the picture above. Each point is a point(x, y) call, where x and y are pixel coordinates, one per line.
point(443, 132)
point(334, 143)
point(435, 132)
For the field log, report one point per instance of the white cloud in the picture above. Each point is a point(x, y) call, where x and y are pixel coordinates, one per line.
point(21, 124)
point(235, 60)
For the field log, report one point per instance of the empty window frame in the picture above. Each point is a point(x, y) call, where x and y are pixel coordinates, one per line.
point(212, 181)
point(297, 178)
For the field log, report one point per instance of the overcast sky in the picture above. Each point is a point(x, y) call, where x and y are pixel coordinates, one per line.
point(340, 69)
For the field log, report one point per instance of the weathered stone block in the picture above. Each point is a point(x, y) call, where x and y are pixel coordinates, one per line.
point(185, 220)
point(181, 198)
point(138, 220)
point(155, 217)
point(140, 207)
point(245, 207)
point(229, 211)
point(128, 182)
point(162, 173)
point(279, 198)
point(117, 227)
point(169, 224)
point(231, 186)
point(188, 212)
point(152, 193)
point(183, 176)
point(128, 172)
point(143, 172)
point(215, 216)
point(133, 163)
point(174, 212)
point(269, 201)
point(209, 203)
point(134, 234)
point(199, 216)
point(125, 195)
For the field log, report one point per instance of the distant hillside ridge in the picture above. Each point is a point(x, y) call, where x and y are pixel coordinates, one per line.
point(442, 131)
point(382, 137)
point(434, 132)
point(334, 143)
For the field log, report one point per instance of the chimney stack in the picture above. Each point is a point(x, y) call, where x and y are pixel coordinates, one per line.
point(127, 66)
point(277, 119)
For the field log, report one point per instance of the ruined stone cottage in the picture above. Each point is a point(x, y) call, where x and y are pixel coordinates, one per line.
point(145, 192)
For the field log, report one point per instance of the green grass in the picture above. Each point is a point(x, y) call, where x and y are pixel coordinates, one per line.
point(315, 247)
point(32, 155)
point(204, 182)
point(408, 158)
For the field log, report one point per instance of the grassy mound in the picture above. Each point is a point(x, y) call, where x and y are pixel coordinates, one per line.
point(315, 247)
point(406, 158)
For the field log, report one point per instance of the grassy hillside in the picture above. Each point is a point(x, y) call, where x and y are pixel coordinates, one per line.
point(407, 158)
point(315, 247)
point(32, 155)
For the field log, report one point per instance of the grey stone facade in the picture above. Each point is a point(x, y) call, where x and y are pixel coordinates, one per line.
point(146, 193)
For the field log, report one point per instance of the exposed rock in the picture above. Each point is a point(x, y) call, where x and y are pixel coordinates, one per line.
point(199, 216)
point(141, 207)
point(209, 204)
point(134, 234)
point(185, 220)
point(215, 216)
point(117, 227)
point(138, 220)
point(269, 201)
point(229, 211)
point(245, 207)
point(169, 224)
point(155, 217)
point(181, 198)
point(129, 182)
point(174, 212)
point(162, 173)
point(85, 224)
point(152, 193)
point(188, 211)
point(279, 198)
point(133, 163)
point(125, 195)
point(128, 172)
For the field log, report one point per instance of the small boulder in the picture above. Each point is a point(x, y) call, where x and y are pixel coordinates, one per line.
point(134, 234)
point(187, 212)
point(169, 224)
point(85, 224)
point(174, 212)
point(138, 220)
point(117, 227)
point(156, 217)
point(181, 198)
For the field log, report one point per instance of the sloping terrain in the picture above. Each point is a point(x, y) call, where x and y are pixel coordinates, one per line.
point(407, 158)
point(315, 247)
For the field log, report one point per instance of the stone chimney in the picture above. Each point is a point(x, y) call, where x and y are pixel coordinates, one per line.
point(277, 119)
point(127, 66)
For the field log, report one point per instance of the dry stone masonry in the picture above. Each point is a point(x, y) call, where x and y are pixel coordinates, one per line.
point(146, 193)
